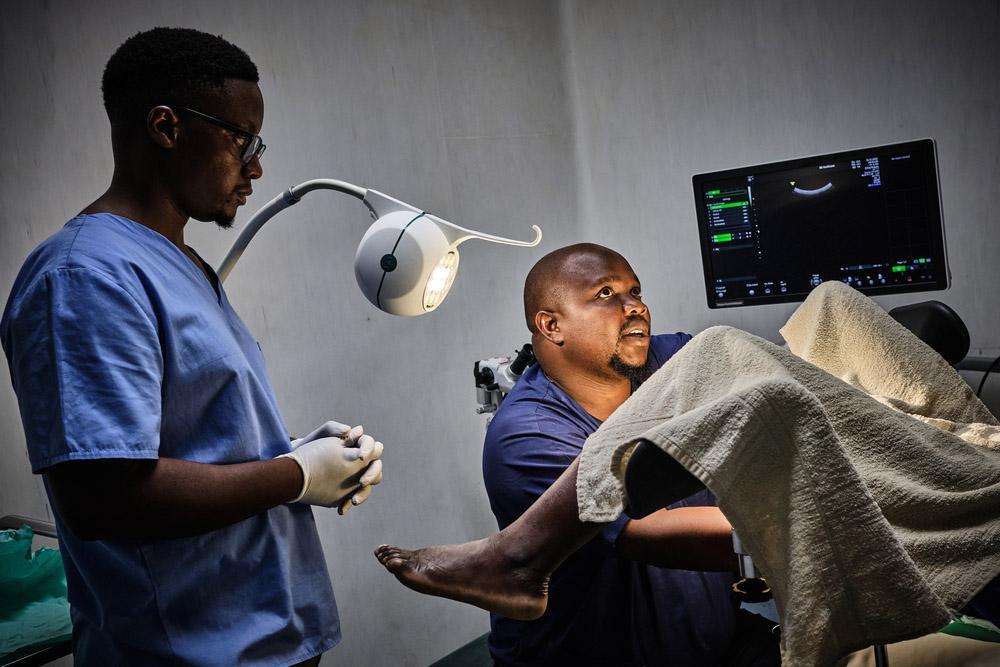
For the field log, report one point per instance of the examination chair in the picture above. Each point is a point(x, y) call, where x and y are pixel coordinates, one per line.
point(654, 479)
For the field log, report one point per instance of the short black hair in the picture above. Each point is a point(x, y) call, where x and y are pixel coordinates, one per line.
point(169, 66)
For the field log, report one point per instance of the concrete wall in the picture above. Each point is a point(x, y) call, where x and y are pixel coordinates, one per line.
point(663, 90)
point(587, 118)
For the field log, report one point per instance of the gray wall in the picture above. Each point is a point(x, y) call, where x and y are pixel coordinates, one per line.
point(586, 118)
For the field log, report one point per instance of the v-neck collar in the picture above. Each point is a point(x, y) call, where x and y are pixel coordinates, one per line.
point(212, 279)
point(208, 273)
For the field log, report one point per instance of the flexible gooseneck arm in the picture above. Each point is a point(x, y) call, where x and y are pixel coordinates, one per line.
point(287, 198)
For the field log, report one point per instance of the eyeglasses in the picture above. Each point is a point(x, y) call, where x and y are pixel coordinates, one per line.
point(253, 145)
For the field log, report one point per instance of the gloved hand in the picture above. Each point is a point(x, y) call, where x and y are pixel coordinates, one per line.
point(339, 465)
point(330, 429)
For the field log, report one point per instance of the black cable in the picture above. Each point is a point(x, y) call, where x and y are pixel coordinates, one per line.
point(989, 369)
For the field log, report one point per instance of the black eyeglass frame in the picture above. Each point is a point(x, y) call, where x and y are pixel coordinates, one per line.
point(253, 148)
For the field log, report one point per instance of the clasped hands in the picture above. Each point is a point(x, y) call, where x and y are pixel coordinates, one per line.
point(340, 465)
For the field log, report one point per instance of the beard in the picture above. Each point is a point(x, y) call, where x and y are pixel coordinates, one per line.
point(222, 221)
point(222, 218)
point(634, 374)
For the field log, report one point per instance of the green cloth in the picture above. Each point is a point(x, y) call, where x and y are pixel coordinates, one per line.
point(972, 628)
point(34, 610)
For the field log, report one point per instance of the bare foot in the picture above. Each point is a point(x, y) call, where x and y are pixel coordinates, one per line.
point(475, 573)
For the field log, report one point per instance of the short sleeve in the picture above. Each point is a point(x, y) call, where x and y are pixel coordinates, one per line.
point(86, 365)
point(526, 451)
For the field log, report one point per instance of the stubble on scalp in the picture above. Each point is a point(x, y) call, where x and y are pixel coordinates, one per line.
point(545, 284)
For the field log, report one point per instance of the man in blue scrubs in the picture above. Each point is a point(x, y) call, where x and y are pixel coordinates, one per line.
point(182, 507)
point(653, 591)
point(591, 333)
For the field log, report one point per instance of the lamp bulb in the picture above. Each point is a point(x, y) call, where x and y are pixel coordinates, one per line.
point(440, 280)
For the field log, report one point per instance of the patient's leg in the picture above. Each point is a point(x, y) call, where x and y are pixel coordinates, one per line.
point(507, 573)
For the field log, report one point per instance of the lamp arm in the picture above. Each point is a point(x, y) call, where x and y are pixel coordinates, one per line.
point(289, 197)
point(381, 204)
point(458, 235)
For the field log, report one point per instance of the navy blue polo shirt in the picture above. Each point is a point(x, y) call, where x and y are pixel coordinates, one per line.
point(603, 609)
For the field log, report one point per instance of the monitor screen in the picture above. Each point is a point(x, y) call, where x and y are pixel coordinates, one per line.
point(869, 217)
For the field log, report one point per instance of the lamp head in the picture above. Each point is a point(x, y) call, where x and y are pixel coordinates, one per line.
point(408, 259)
point(405, 263)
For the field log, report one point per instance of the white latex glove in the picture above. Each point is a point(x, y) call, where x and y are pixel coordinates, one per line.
point(339, 465)
point(350, 435)
point(371, 476)
point(330, 429)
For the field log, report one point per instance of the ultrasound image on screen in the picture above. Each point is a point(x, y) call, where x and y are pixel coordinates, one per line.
point(869, 218)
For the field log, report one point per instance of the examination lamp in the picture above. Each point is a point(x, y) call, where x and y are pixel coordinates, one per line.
point(406, 261)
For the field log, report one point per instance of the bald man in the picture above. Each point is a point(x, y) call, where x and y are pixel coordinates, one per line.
point(567, 592)
point(608, 603)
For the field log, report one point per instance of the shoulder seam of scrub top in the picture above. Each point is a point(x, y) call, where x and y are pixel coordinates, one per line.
point(71, 244)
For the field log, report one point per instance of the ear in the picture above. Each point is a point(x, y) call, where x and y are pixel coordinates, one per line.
point(547, 324)
point(161, 126)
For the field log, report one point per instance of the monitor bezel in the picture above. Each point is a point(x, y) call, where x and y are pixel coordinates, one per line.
point(926, 147)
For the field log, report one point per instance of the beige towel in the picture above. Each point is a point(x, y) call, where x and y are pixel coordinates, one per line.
point(847, 335)
point(871, 525)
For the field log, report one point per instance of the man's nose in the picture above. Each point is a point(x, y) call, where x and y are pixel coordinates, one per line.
point(633, 304)
point(253, 169)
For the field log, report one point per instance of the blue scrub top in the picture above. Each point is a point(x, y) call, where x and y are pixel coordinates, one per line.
point(602, 609)
point(120, 348)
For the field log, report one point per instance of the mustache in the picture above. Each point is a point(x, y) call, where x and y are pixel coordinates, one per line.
point(633, 322)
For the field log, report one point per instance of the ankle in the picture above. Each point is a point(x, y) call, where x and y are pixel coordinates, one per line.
point(515, 555)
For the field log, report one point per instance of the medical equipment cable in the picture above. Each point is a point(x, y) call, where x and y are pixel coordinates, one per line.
point(989, 369)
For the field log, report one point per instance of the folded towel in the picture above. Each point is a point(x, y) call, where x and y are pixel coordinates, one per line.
point(847, 335)
point(871, 525)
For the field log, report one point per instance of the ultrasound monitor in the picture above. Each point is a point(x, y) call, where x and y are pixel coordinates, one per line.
point(869, 217)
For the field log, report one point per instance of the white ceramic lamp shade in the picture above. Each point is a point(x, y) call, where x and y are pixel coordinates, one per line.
point(407, 260)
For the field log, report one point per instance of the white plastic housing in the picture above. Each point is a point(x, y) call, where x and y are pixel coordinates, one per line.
point(416, 242)
point(417, 250)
